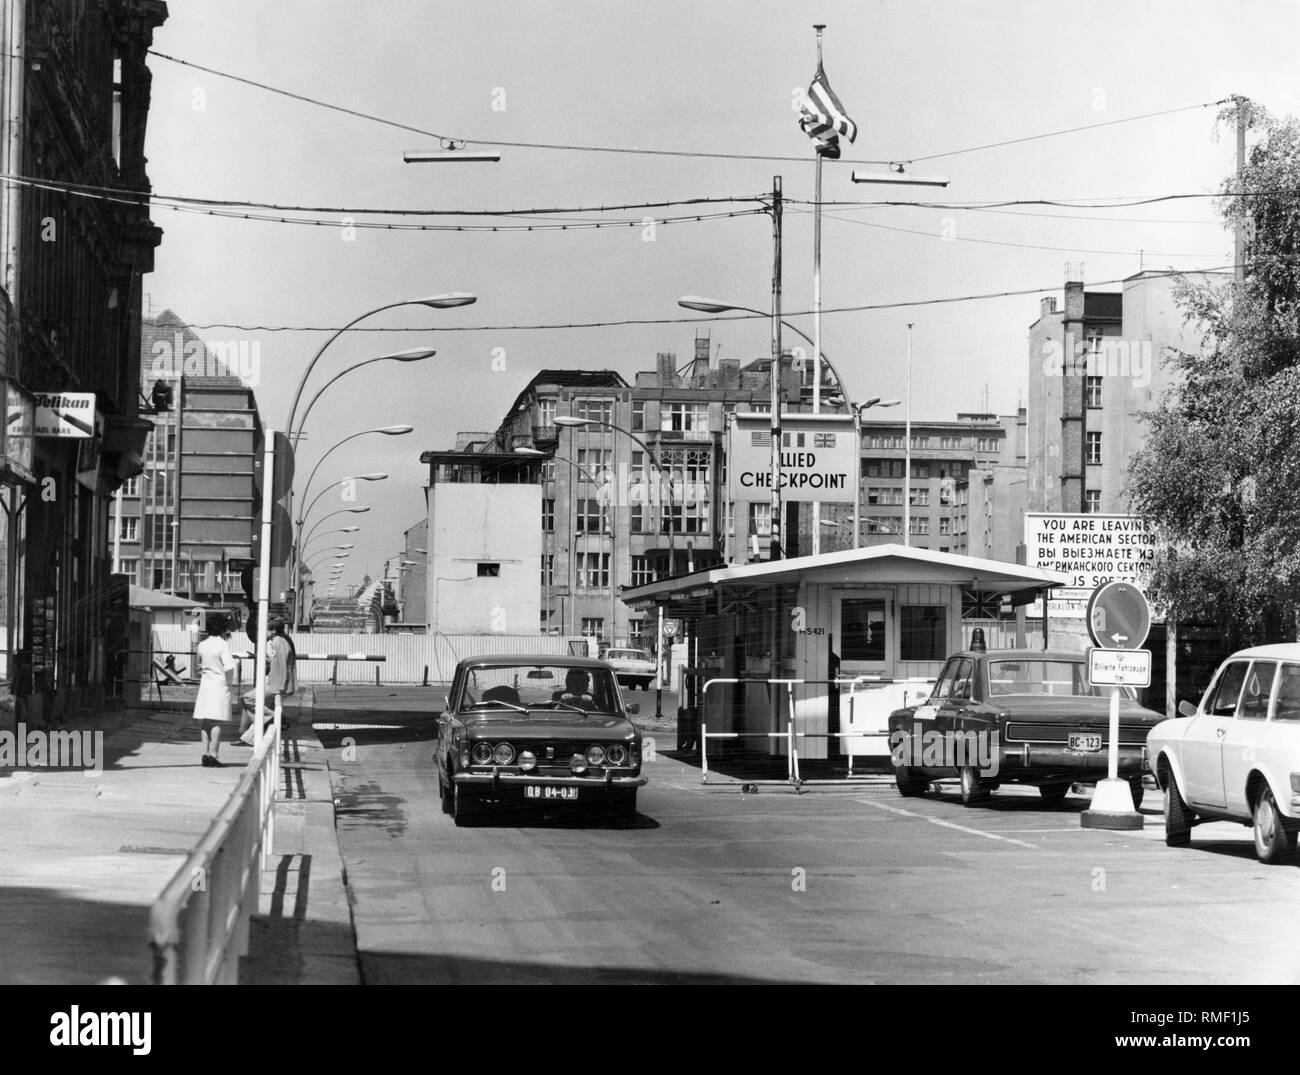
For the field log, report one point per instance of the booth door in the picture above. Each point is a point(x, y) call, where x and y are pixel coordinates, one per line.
point(866, 645)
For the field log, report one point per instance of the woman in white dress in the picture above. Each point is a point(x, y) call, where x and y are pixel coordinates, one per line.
point(216, 686)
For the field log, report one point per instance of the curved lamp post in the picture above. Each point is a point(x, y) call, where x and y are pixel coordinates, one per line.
point(377, 477)
point(447, 301)
point(360, 510)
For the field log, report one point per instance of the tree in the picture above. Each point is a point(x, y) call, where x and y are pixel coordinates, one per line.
point(1220, 470)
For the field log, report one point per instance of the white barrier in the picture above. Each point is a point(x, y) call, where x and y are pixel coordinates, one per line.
point(791, 735)
point(199, 924)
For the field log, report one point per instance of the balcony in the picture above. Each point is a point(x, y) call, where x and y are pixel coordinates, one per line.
point(546, 436)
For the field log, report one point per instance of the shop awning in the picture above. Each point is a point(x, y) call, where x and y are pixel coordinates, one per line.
point(877, 565)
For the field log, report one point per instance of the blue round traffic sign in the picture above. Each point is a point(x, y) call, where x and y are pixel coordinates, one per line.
point(1118, 616)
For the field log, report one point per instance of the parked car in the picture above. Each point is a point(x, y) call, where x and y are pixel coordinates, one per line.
point(633, 667)
point(542, 729)
point(1236, 755)
point(1017, 716)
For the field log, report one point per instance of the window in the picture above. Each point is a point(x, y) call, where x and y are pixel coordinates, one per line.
point(881, 440)
point(489, 571)
point(588, 516)
point(593, 626)
point(920, 442)
point(1092, 391)
point(637, 524)
point(919, 498)
point(158, 484)
point(546, 412)
point(131, 487)
point(945, 525)
point(636, 634)
point(548, 516)
point(920, 470)
point(1092, 501)
point(1094, 448)
point(638, 415)
point(595, 462)
point(950, 442)
point(595, 410)
point(131, 568)
point(884, 524)
point(548, 470)
point(171, 443)
point(884, 495)
point(592, 571)
point(923, 636)
point(1223, 699)
point(130, 528)
point(760, 519)
point(987, 445)
point(862, 622)
point(642, 572)
point(1258, 690)
point(688, 509)
point(675, 417)
point(1287, 706)
point(919, 525)
point(548, 569)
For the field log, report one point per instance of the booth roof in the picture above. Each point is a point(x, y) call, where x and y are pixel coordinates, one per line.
point(883, 564)
point(156, 599)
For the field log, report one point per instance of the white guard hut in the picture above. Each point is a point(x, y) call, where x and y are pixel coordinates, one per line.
point(881, 620)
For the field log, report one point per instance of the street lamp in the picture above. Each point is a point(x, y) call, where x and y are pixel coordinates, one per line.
point(378, 477)
point(353, 511)
point(446, 301)
point(324, 533)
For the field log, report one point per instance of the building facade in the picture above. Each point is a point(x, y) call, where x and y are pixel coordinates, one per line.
point(185, 525)
point(74, 101)
point(1095, 364)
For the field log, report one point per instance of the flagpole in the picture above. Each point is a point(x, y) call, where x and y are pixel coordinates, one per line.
point(774, 535)
point(817, 305)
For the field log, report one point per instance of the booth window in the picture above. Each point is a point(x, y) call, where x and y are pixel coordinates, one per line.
point(862, 622)
point(923, 632)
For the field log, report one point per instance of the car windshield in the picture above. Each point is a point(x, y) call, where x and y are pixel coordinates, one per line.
point(627, 655)
point(547, 686)
point(1029, 676)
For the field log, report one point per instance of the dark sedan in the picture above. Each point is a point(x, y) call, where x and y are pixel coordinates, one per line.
point(541, 729)
point(1017, 716)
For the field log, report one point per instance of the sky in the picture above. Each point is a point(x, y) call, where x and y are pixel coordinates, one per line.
point(938, 80)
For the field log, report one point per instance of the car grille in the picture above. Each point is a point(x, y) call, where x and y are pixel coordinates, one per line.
point(1130, 735)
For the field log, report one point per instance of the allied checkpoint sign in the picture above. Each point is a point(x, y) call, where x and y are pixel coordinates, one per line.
point(819, 458)
point(1090, 550)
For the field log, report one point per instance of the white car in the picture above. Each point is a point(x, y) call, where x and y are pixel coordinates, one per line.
point(1236, 756)
point(632, 667)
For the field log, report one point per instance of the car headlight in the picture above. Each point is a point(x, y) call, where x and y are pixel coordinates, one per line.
point(1295, 783)
point(504, 754)
point(578, 764)
point(482, 753)
point(527, 760)
point(595, 754)
point(616, 755)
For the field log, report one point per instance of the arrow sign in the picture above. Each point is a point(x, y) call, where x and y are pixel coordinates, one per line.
point(1118, 614)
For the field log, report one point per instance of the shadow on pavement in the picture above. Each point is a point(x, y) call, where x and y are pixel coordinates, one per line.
point(399, 968)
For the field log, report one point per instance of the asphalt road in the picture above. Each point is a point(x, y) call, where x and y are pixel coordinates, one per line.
point(844, 884)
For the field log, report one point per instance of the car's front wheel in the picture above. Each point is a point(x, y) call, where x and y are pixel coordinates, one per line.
point(1273, 841)
point(973, 789)
point(1178, 817)
point(909, 784)
point(444, 794)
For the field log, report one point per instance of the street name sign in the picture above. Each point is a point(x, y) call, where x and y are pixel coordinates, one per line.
point(1119, 667)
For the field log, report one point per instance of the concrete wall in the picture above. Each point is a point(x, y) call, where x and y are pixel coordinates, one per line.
point(472, 524)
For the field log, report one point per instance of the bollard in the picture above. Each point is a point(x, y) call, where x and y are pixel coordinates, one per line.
point(376, 675)
point(426, 675)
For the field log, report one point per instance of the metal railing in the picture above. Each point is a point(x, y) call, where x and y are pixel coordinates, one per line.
point(790, 734)
point(199, 925)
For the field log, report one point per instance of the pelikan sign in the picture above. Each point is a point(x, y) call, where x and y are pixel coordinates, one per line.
point(65, 414)
point(819, 458)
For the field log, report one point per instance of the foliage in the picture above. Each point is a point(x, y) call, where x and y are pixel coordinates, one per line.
point(1221, 465)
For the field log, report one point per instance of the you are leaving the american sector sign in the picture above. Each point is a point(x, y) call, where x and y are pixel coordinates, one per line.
point(1089, 550)
point(819, 458)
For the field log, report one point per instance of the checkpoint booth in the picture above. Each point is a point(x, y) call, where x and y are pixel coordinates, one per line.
point(814, 652)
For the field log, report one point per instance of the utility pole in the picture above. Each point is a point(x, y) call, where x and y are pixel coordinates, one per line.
point(907, 448)
point(817, 306)
point(774, 540)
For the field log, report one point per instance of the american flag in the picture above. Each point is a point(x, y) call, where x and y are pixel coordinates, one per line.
point(760, 440)
point(823, 118)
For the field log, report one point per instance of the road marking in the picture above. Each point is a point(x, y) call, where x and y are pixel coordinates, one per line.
point(947, 824)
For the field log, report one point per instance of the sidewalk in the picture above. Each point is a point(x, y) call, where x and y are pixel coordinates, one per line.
point(83, 855)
